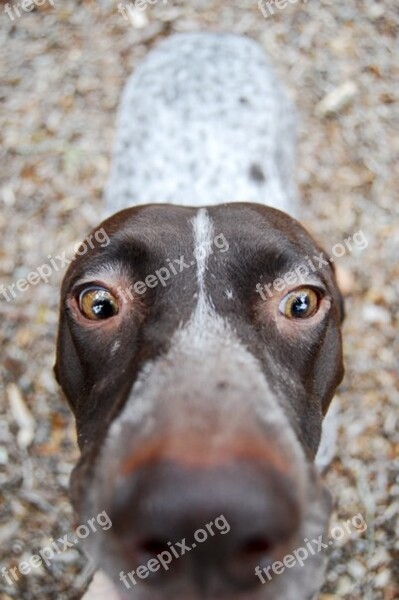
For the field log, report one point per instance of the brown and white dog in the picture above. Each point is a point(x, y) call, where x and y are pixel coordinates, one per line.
point(198, 350)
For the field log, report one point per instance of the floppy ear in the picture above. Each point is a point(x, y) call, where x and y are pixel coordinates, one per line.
point(330, 371)
point(342, 305)
point(67, 368)
point(339, 286)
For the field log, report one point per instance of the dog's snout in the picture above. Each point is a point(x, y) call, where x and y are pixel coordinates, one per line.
point(206, 527)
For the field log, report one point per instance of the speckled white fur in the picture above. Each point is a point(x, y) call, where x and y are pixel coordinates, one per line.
point(203, 120)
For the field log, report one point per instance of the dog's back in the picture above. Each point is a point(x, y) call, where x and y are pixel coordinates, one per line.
point(203, 119)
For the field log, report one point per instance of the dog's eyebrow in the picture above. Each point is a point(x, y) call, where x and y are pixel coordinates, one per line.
point(270, 262)
point(304, 275)
point(313, 266)
point(109, 270)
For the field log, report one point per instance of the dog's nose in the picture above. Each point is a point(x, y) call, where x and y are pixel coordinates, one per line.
point(209, 527)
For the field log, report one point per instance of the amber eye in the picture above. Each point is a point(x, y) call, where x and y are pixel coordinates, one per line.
point(97, 303)
point(300, 304)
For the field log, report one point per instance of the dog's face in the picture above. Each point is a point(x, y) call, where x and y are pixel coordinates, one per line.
point(199, 397)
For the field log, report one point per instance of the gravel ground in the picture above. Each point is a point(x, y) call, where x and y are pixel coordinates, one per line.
point(64, 67)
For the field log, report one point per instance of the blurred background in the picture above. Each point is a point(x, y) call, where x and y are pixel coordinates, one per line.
point(63, 67)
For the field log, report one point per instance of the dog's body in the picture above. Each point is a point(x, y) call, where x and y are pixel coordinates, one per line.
point(203, 120)
point(194, 396)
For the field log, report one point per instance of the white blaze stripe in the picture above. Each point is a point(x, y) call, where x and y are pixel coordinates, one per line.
point(203, 236)
point(204, 324)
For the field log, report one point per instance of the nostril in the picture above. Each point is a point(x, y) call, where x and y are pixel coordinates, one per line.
point(254, 548)
point(248, 555)
point(153, 546)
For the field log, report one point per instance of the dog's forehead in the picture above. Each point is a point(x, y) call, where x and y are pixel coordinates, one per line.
point(236, 235)
point(176, 216)
point(160, 225)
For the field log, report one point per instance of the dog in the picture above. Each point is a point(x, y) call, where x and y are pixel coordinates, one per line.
point(197, 350)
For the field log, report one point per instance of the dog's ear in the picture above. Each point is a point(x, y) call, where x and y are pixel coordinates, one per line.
point(338, 276)
point(330, 371)
point(341, 305)
point(67, 368)
point(56, 376)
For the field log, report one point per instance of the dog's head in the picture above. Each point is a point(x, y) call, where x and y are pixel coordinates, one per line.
point(199, 350)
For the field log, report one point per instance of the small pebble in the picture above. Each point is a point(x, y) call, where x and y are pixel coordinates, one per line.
point(338, 99)
point(382, 579)
point(372, 313)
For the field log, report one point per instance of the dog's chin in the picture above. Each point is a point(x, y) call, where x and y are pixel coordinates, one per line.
point(101, 588)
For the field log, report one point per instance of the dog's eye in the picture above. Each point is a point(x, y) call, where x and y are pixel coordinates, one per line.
point(300, 304)
point(98, 303)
